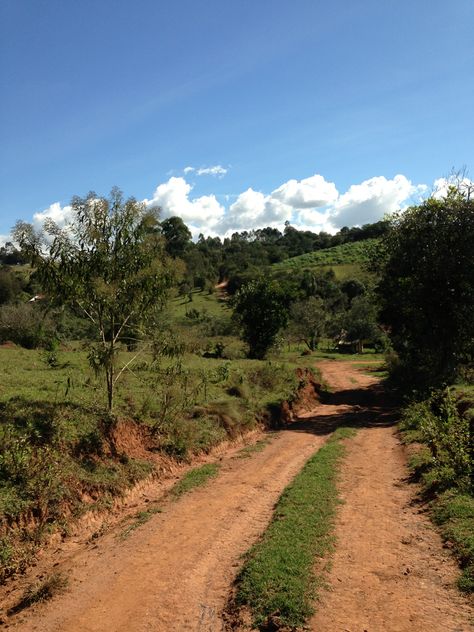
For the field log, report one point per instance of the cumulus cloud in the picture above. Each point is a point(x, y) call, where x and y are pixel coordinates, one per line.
point(173, 198)
point(61, 215)
point(370, 200)
point(441, 186)
point(311, 192)
point(4, 239)
point(216, 170)
point(309, 204)
point(253, 209)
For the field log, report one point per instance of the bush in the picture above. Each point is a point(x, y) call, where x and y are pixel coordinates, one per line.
point(438, 423)
point(25, 325)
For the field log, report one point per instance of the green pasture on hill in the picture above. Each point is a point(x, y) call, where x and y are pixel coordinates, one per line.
point(346, 260)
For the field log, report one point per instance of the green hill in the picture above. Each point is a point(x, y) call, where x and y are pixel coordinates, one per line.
point(346, 259)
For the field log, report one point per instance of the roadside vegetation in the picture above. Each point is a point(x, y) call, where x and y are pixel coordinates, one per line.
point(439, 430)
point(425, 271)
point(124, 342)
point(278, 582)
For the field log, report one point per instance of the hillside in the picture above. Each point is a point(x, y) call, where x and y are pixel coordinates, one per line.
point(345, 259)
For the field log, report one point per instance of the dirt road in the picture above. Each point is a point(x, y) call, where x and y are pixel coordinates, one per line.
point(390, 572)
point(175, 572)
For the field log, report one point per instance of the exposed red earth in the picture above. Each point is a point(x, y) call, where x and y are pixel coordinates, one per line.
point(390, 572)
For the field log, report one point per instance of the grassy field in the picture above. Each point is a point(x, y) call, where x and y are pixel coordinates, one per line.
point(346, 260)
point(61, 454)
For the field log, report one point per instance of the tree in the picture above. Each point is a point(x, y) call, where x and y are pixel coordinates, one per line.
point(426, 287)
point(308, 321)
point(360, 323)
point(110, 264)
point(177, 235)
point(260, 308)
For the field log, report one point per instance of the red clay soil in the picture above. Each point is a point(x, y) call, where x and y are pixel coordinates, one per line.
point(390, 572)
point(175, 573)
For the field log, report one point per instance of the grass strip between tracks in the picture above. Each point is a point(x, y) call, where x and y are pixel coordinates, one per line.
point(278, 582)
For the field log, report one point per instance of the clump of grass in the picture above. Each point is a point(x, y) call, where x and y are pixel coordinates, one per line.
point(139, 519)
point(277, 582)
point(249, 450)
point(42, 590)
point(195, 478)
point(454, 513)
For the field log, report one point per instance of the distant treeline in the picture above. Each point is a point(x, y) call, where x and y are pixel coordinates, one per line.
point(235, 259)
point(212, 259)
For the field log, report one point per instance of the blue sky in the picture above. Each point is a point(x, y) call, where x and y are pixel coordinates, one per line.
point(323, 113)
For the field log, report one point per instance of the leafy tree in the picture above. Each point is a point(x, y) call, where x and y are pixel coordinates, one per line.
point(426, 265)
point(110, 264)
point(360, 322)
point(352, 288)
point(260, 308)
point(10, 255)
point(308, 321)
point(10, 286)
point(177, 235)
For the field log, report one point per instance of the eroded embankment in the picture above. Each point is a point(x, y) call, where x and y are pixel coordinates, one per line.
point(88, 546)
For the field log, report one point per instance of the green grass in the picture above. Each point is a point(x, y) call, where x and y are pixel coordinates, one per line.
point(202, 301)
point(346, 260)
point(278, 582)
point(454, 514)
point(249, 450)
point(196, 477)
point(58, 454)
point(292, 353)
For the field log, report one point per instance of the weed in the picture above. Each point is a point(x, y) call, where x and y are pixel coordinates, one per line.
point(454, 513)
point(140, 519)
point(42, 590)
point(195, 478)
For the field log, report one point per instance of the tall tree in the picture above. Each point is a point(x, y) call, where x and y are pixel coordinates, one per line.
point(110, 264)
point(177, 236)
point(426, 288)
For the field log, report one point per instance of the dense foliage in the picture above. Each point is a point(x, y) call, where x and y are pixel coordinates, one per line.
point(426, 288)
point(260, 308)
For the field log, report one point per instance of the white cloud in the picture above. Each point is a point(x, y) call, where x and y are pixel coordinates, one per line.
point(311, 192)
point(216, 170)
point(4, 239)
point(61, 215)
point(441, 186)
point(370, 200)
point(252, 209)
point(200, 213)
point(313, 220)
point(309, 204)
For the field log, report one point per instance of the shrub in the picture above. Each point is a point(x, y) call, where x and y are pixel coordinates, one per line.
point(25, 325)
point(438, 423)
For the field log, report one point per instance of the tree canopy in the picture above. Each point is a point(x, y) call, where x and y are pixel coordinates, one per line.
point(426, 288)
point(260, 307)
